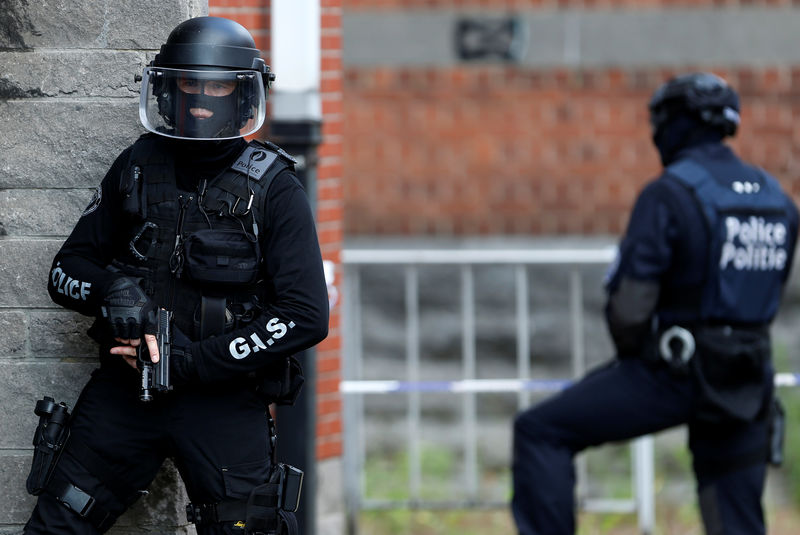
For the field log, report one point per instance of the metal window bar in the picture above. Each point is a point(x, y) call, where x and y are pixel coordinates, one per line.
point(355, 448)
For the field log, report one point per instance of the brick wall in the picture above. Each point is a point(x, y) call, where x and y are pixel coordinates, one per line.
point(330, 217)
point(255, 16)
point(545, 146)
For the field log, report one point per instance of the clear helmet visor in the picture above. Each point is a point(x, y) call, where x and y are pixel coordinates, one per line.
point(193, 104)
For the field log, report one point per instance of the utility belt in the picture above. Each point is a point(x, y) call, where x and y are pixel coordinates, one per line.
point(730, 366)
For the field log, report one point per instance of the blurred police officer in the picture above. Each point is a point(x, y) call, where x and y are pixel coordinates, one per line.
point(697, 281)
point(195, 220)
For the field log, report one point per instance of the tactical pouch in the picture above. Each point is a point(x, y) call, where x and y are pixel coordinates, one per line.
point(133, 190)
point(49, 440)
point(729, 368)
point(282, 383)
point(223, 256)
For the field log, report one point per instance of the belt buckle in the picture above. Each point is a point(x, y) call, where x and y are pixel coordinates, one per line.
point(77, 500)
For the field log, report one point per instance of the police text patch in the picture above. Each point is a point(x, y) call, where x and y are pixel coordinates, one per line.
point(254, 162)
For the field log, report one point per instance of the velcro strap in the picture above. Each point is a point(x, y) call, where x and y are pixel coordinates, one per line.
point(123, 491)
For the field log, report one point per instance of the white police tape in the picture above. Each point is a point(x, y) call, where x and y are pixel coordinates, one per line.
point(488, 385)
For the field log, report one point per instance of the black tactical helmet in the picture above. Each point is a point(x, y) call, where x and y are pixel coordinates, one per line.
point(705, 96)
point(208, 81)
point(210, 42)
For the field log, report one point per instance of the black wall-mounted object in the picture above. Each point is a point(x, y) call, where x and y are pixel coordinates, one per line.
point(491, 38)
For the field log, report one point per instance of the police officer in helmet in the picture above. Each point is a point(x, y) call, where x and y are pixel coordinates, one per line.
point(193, 221)
point(697, 281)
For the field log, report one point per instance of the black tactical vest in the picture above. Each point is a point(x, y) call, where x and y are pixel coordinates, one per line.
point(198, 252)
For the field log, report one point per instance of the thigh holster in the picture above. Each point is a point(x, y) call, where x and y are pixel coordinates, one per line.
point(51, 440)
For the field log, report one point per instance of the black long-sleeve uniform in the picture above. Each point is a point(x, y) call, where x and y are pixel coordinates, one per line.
point(294, 316)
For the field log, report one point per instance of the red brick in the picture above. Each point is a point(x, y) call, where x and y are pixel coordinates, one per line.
point(329, 407)
point(328, 386)
point(327, 449)
point(331, 19)
point(329, 426)
point(330, 364)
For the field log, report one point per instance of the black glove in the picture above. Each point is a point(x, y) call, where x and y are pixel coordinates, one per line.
point(182, 368)
point(127, 309)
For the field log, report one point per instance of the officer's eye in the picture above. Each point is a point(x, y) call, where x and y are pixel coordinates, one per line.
point(219, 88)
point(188, 85)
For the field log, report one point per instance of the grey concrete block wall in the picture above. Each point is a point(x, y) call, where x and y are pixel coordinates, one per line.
point(68, 106)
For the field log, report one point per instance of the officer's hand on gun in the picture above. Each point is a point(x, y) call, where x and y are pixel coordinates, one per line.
point(131, 315)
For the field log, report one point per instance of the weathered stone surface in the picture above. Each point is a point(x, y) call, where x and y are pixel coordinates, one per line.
point(61, 333)
point(24, 270)
point(71, 73)
point(14, 326)
point(64, 143)
point(162, 511)
point(15, 503)
point(24, 382)
point(103, 24)
point(68, 107)
point(37, 212)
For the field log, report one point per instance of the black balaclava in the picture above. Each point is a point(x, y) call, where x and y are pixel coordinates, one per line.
point(681, 131)
point(196, 161)
point(224, 118)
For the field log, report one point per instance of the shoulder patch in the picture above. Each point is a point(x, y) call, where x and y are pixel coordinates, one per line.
point(254, 161)
point(95, 202)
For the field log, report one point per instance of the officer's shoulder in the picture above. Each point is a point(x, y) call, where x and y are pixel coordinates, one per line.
point(144, 143)
point(272, 147)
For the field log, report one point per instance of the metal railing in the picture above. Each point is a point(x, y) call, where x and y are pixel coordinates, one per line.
point(354, 388)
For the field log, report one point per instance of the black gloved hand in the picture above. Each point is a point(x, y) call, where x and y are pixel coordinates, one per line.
point(182, 367)
point(130, 313)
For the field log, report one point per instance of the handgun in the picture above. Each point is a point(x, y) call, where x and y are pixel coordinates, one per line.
point(155, 376)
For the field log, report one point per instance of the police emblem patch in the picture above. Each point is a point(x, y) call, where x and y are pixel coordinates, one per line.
point(95, 202)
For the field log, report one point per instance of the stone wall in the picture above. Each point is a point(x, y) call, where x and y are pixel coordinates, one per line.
point(68, 106)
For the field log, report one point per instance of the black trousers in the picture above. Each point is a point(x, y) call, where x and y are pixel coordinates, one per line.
point(623, 400)
point(217, 436)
